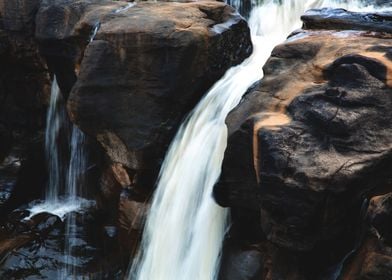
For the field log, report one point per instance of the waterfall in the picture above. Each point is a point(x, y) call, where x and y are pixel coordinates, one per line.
point(55, 120)
point(75, 183)
point(64, 180)
point(185, 228)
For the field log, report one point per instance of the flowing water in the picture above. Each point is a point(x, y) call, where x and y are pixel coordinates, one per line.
point(54, 122)
point(185, 228)
point(62, 193)
point(60, 200)
point(75, 183)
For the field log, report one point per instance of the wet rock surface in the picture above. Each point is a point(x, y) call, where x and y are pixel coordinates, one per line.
point(146, 69)
point(311, 140)
point(35, 248)
point(24, 92)
point(129, 89)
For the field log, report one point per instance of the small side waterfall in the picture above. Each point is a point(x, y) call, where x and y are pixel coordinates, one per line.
point(185, 227)
point(65, 179)
point(55, 120)
point(66, 182)
point(74, 191)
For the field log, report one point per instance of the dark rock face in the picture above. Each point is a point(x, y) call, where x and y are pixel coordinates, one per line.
point(241, 264)
point(146, 69)
point(373, 258)
point(35, 248)
point(63, 30)
point(24, 92)
point(306, 147)
point(18, 16)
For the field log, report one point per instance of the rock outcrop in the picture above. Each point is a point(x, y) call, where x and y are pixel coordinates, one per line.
point(146, 69)
point(130, 73)
point(147, 66)
point(311, 140)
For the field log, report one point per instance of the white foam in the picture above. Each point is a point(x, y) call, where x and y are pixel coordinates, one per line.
point(61, 207)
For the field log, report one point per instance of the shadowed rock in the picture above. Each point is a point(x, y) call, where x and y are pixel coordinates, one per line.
point(146, 69)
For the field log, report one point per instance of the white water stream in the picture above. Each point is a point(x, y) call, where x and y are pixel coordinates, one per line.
point(185, 228)
point(55, 120)
point(64, 180)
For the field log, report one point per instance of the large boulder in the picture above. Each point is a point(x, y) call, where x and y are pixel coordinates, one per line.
point(146, 69)
point(314, 136)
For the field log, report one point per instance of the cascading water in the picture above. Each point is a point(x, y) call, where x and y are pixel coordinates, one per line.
point(78, 166)
point(61, 195)
point(185, 227)
point(54, 122)
point(69, 199)
point(75, 183)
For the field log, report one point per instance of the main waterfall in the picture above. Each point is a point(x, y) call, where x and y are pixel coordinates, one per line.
point(185, 227)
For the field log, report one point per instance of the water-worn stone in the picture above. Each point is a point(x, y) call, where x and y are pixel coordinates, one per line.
point(145, 70)
point(312, 138)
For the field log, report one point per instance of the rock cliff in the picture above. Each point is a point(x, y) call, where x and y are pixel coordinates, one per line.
point(310, 142)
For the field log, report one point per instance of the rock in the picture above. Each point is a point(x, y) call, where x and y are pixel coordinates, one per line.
point(146, 68)
point(244, 7)
point(380, 213)
point(121, 174)
point(18, 15)
point(372, 259)
point(45, 222)
point(132, 213)
point(241, 264)
point(9, 169)
point(6, 141)
point(340, 19)
point(24, 92)
point(304, 147)
point(24, 81)
point(42, 240)
point(30, 180)
point(63, 30)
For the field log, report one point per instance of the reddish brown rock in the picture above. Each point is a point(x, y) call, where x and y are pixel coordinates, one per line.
point(132, 214)
point(307, 143)
point(146, 69)
point(304, 146)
